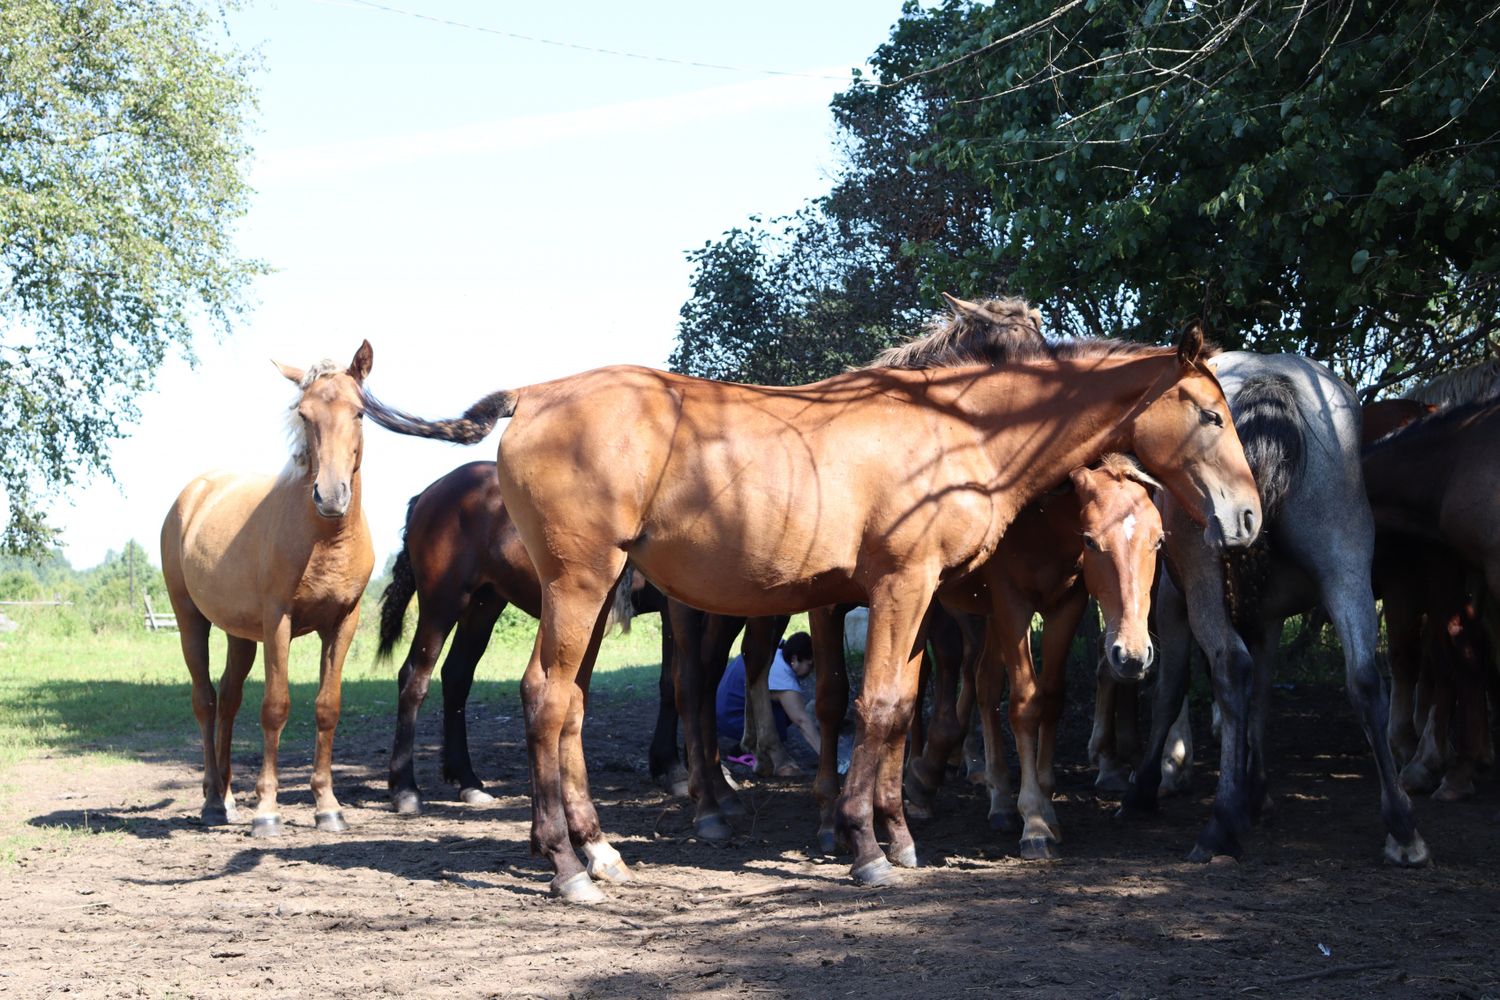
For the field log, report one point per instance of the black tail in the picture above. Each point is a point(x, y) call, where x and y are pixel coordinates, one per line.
point(471, 428)
point(398, 593)
point(1270, 429)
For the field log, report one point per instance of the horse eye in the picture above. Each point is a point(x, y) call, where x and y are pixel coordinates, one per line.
point(1160, 539)
point(1210, 417)
point(1090, 544)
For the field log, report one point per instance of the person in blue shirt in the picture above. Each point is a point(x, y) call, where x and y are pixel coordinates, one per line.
point(792, 662)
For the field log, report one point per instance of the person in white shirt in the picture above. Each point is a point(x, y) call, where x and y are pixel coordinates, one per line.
point(792, 662)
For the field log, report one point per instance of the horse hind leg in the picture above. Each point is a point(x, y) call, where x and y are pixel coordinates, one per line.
point(574, 610)
point(237, 664)
point(826, 626)
point(411, 685)
point(192, 633)
point(469, 644)
point(926, 770)
point(666, 764)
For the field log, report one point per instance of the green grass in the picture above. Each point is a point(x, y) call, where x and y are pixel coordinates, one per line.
point(117, 695)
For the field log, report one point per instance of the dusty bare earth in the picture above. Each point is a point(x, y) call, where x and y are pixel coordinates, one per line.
point(451, 905)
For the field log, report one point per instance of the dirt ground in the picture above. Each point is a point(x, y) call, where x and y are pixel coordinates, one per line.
point(450, 904)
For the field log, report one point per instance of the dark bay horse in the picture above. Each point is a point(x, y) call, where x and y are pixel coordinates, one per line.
point(268, 559)
point(1301, 428)
point(873, 486)
point(1432, 486)
point(463, 561)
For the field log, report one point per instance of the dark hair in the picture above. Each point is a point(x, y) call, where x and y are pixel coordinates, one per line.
point(797, 646)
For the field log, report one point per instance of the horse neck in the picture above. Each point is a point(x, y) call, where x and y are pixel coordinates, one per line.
point(1076, 428)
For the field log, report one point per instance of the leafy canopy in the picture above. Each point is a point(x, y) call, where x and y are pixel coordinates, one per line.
point(122, 152)
point(1318, 177)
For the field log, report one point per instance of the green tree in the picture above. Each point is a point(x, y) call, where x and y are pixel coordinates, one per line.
point(1318, 177)
point(122, 159)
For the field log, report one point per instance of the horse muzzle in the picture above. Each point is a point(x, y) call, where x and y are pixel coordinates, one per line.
point(1130, 666)
point(334, 506)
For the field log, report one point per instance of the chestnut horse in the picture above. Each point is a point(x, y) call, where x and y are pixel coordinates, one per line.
point(873, 486)
point(464, 562)
point(268, 559)
point(1099, 537)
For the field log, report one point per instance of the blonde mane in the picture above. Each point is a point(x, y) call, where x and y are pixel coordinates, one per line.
point(1475, 383)
point(296, 430)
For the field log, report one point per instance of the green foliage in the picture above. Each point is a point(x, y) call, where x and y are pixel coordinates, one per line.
point(122, 152)
point(1319, 178)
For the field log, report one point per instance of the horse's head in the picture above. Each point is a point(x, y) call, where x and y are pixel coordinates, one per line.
point(330, 413)
point(1122, 532)
point(1186, 437)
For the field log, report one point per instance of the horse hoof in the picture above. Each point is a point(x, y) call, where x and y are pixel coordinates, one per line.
point(1005, 822)
point(918, 810)
point(331, 821)
point(713, 828)
point(679, 789)
point(616, 872)
point(1111, 785)
point(1038, 849)
point(266, 826)
point(827, 843)
point(1415, 778)
point(476, 796)
point(577, 889)
point(730, 805)
point(216, 816)
point(874, 873)
point(904, 858)
point(1413, 855)
point(1458, 791)
point(407, 803)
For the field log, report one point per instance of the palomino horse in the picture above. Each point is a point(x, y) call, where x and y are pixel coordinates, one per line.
point(1300, 427)
point(873, 486)
point(268, 559)
point(464, 562)
point(1432, 485)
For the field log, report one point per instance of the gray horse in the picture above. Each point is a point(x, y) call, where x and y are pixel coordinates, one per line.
point(1300, 428)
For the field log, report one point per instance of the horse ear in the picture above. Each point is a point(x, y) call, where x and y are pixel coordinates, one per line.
point(1081, 477)
point(959, 306)
point(1190, 345)
point(364, 358)
point(291, 374)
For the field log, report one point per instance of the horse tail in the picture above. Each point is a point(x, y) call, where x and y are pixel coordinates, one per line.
point(1271, 433)
point(1270, 429)
point(471, 428)
point(622, 608)
point(398, 592)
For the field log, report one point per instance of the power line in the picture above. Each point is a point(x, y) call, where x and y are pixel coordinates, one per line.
point(372, 5)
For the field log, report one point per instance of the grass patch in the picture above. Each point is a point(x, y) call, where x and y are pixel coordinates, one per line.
point(119, 695)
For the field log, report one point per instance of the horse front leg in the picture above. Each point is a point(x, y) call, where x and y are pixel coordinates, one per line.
point(326, 813)
point(1058, 629)
point(274, 707)
point(760, 736)
point(1011, 634)
point(872, 788)
point(1174, 645)
point(926, 770)
point(831, 703)
point(666, 764)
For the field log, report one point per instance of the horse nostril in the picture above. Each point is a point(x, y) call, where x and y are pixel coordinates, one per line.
point(1247, 522)
point(317, 496)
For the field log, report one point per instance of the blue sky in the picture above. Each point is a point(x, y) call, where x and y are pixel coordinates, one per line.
point(488, 212)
